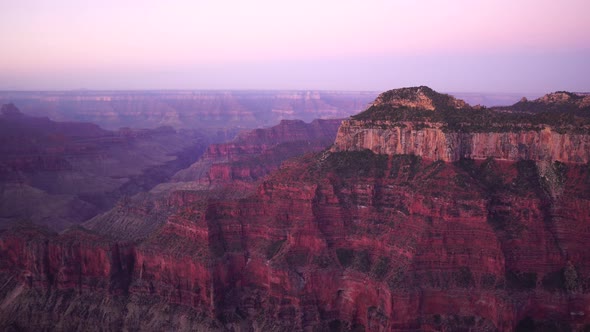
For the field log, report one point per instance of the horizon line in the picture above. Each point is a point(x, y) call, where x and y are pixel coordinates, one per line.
point(81, 90)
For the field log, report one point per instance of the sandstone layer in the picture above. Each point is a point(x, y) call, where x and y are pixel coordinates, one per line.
point(343, 239)
point(436, 126)
point(340, 241)
point(432, 142)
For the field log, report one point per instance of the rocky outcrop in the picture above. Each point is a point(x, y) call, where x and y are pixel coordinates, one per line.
point(253, 154)
point(230, 170)
point(436, 126)
point(256, 141)
point(432, 142)
point(560, 101)
point(422, 97)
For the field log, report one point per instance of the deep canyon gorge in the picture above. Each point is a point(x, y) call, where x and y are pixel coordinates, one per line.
point(420, 213)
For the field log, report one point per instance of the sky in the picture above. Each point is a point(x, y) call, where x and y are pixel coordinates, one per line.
point(454, 45)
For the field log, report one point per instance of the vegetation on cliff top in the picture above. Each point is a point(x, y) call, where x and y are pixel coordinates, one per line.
point(564, 112)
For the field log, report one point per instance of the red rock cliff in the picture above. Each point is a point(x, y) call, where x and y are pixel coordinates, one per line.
point(434, 143)
point(435, 126)
point(255, 153)
point(333, 241)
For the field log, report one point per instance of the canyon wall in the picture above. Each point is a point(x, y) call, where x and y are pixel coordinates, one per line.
point(232, 169)
point(255, 153)
point(60, 174)
point(432, 142)
point(336, 241)
point(398, 227)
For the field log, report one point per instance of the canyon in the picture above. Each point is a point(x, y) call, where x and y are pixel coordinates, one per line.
point(209, 111)
point(59, 174)
point(421, 213)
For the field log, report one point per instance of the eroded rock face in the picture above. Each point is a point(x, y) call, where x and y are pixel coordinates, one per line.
point(253, 154)
point(82, 281)
point(563, 97)
point(225, 170)
point(398, 242)
point(434, 143)
point(436, 126)
point(337, 240)
point(59, 174)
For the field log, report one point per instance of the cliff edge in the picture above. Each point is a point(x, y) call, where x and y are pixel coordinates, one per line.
point(437, 126)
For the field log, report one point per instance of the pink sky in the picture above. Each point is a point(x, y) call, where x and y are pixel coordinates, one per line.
point(456, 45)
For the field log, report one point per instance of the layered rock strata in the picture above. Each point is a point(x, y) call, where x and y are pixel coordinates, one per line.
point(432, 142)
point(338, 240)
